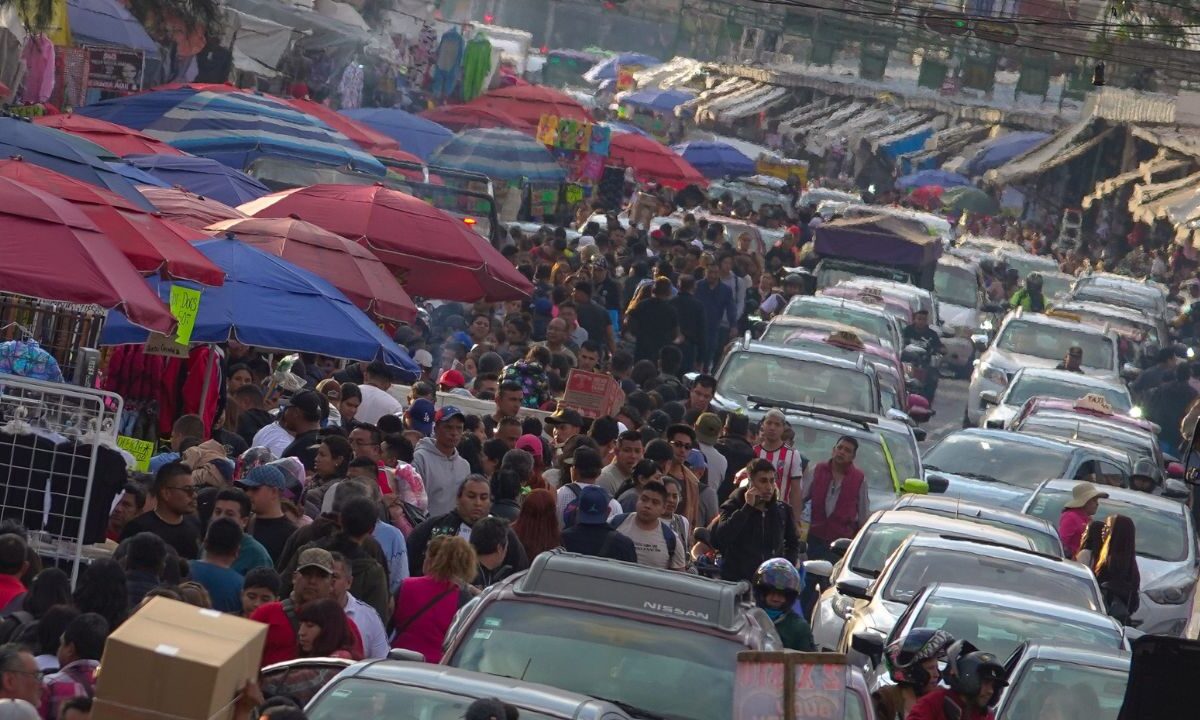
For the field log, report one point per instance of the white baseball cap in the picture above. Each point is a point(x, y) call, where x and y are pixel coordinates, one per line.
point(423, 358)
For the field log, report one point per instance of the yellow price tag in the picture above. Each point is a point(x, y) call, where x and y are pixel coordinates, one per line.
point(185, 305)
point(141, 450)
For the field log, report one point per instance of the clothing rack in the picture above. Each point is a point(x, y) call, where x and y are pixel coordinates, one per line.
point(53, 439)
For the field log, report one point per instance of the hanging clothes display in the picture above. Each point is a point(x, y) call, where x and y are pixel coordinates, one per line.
point(477, 66)
point(448, 64)
point(68, 484)
point(25, 462)
point(27, 359)
point(350, 88)
point(159, 389)
point(422, 56)
point(38, 56)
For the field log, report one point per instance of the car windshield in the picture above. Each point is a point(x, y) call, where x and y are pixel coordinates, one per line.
point(1001, 629)
point(816, 443)
point(956, 285)
point(1028, 386)
point(1140, 332)
point(1046, 543)
point(876, 544)
point(1052, 343)
point(627, 660)
point(357, 697)
point(871, 323)
point(1161, 534)
point(921, 566)
point(793, 380)
point(992, 458)
point(1054, 285)
point(1049, 689)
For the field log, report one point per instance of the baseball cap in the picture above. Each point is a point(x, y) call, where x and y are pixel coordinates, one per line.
point(264, 476)
point(420, 416)
point(447, 412)
point(423, 358)
point(308, 402)
point(452, 379)
point(587, 461)
point(696, 460)
point(708, 428)
point(531, 444)
point(565, 416)
point(593, 506)
point(318, 558)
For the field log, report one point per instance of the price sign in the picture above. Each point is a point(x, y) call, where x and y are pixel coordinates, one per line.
point(185, 305)
point(574, 194)
point(166, 345)
point(141, 450)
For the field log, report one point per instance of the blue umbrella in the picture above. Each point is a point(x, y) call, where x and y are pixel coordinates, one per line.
point(233, 127)
point(135, 175)
point(661, 101)
point(108, 22)
point(941, 178)
point(202, 176)
point(716, 159)
point(415, 134)
point(997, 152)
point(607, 69)
point(625, 128)
point(64, 153)
point(501, 154)
point(270, 303)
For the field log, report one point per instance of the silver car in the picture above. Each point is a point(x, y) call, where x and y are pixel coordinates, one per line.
point(1044, 679)
point(1167, 555)
point(1045, 382)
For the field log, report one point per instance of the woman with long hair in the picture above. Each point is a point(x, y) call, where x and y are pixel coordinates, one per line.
point(537, 523)
point(425, 605)
point(323, 631)
point(51, 587)
point(330, 465)
point(102, 590)
point(1089, 544)
point(1116, 568)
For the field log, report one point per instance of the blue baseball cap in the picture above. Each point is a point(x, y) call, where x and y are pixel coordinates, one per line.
point(696, 460)
point(448, 412)
point(264, 476)
point(420, 416)
point(593, 506)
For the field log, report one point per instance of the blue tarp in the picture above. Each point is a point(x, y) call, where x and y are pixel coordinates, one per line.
point(270, 303)
point(415, 134)
point(607, 69)
point(907, 143)
point(202, 176)
point(660, 101)
point(716, 159)
point(1004, 148)
point(942, 178)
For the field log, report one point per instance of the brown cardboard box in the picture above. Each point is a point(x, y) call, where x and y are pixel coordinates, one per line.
point(174, 660)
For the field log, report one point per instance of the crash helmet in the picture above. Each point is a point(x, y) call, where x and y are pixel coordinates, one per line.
point(904, 657)
point(988, 266)
point(780, 575)
point(968, 667)
point(794, 278)
point(1033, 281)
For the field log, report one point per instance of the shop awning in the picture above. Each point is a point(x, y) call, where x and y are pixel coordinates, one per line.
point(803, 122)
point(1068, 144)
point(1164, 161)
point(726, 86)
point(764, 100)
point(818, 142)
point(1184, 143)
point(1175, 201)
point(710, 109)
point(906, 141)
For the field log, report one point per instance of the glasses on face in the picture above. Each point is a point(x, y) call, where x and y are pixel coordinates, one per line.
point(189, 490)
point(682, 444)
point(36, 674)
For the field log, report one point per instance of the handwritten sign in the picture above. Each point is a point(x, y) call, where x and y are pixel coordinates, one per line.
point(790, 686)
point(185, 305)
point(166, 345)
point(141, 450)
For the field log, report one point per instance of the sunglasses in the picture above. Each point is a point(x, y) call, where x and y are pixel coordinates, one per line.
point(682, 444)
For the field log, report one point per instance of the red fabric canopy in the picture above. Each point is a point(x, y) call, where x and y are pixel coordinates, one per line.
point(189, 209)
point(440, 256)
point(348, 266)
point(652, 161)
point(469, 117)
point(54, 252)
point(363, 135)
point(117, 139)
point(528, 103)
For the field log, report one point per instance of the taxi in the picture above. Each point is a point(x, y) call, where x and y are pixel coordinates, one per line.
point(1091, 405)
point(895, 306)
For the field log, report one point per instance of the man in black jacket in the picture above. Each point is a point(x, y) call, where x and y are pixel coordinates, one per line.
point(735, 444)
point(755, 526)
point(591, 534)
point(691, 322)
point(474, 502)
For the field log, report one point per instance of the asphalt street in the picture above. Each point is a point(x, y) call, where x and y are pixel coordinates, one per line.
point(948, 405)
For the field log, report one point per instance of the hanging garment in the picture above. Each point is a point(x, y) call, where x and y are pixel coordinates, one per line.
point(477, 66)
point(350, 89)
point(68, 484)
point(447, 65)
point(422, 56)
point(25, 464)
point(38, 56)
point(27, 359)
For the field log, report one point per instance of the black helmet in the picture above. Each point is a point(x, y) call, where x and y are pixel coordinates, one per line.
point(1013, 273)
point(905, 656)
point(987, 265)
point(794, 278)
point(1033, 281)
point(967, 667)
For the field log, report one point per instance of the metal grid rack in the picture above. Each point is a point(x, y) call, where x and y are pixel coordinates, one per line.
point(53, 437)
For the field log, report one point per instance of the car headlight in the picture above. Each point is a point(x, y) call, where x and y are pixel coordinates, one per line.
point(987, 325)
point(993, 374)
point(843, 606)
point(1135, 412)
point(1170, 595)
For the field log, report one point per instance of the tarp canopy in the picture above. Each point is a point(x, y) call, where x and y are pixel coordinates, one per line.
point(660, 101)
point(108, 22)
point(1069, 143)
point(337, 40)
point(258, 43)
point(1001, 150)
point(878, 239)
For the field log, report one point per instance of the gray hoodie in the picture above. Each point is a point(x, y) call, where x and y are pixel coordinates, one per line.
point(442, 475)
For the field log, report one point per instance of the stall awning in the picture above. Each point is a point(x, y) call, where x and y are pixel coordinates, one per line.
point(1184, 143)
point(910, 140)
point(711, 109)
point(1068, 144)
point(258, 44)
point(762, 102)
point(1175, 201)
point(1164, 161)
point(726, 86)
point(804, 122)
point(818, 142)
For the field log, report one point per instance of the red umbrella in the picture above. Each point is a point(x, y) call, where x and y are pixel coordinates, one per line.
point(469, 117)
point(348, 266)
point(652, 161)
point(185, 208)
point(528, 103)
point(441, 256)
point(54, 252)
point(927, 196)
point(363, 135)
point(140, 236)
point(117, 139)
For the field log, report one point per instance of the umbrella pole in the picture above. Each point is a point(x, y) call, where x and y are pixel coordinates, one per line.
point(208, 371)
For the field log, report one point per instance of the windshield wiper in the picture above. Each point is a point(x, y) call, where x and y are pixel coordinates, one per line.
point(979, 476)
point(633, 710)
point(865, 571)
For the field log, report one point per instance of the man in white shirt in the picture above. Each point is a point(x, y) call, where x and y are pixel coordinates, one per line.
point(585, 468)
point(274, 436)
point(370, 625)
point(376, 400)
point(656, 543)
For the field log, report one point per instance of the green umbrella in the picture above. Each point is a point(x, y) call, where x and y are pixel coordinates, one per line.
point(970, 199)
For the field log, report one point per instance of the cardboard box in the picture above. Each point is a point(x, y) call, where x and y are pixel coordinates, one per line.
point(174, 660)
point(592, 394)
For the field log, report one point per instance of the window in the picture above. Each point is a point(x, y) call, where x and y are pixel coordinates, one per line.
point(1029, 386)
point(816, 443)
point(791, 380)
point(1053, 342)
point(1055, 689)
point(1001, 629)
point(957, 286)
point(1021, 464)
point(364, 698)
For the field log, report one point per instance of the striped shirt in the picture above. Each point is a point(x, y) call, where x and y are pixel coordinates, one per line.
point(789, 468)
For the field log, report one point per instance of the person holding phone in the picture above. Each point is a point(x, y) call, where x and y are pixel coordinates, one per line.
point(754, 526)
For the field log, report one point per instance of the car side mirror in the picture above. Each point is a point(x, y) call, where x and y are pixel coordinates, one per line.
point(839, 547)
point(869, 644)
point(914, 486)
point(1175, 470)
point(819, 568)
point(989, 397)
point(854, 588)
point(980, 342)
point(1176, 489)
point(937, 483)
point(405, 655)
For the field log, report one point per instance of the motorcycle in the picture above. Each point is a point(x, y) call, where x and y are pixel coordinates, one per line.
point(921, 366)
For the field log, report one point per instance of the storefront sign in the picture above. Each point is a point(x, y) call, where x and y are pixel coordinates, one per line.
point(141, 450)
point(115, 69)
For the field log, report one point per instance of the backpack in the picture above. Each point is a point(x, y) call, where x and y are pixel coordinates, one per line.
point(669, 535)
point(14, 619)
point(571, 511)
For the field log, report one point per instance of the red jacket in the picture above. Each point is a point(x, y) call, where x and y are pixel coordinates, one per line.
point(842, 520)
point(943, 704)
point(281, 638)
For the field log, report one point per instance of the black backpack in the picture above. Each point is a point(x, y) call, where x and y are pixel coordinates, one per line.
point(14, 618)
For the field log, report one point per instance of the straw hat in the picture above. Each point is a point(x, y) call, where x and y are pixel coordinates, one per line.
point(1082, 494)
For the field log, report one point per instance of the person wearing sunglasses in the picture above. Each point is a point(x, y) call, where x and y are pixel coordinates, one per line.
point(174, 516)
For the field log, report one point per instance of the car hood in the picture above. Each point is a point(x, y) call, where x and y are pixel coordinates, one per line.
point(958, 316)
point(1010, 362)
point(1163, 573)
point(988, 494)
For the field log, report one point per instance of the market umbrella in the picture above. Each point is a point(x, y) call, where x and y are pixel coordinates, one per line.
point(189, 209)
point(716, 159)
point(657, 100)
point(348, 266)
point(969, 199)
point(117, 139)
point(54, 252)
point(64, 153)
point(468, 117)
point(108, 22)
point(927, 196)
point(140, 236)
point(943, 178)
point(270, 303)
point(363, 135)
point(137, 176)
point(442, 258)
point(202, 176)
point(501, 154)
point(415, 134)
point(607, 69)
point(652, 161)
point(528, 103)
point(999, 151)
point(232, 127)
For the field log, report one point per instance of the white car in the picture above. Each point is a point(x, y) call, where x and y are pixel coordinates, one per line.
point(1043, 382)
point(1027, 339)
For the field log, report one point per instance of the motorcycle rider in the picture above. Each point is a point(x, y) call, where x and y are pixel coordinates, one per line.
point(777, 584)
point(1030, 297)
point(912, 663)
point(919, 333)
point(975, 680)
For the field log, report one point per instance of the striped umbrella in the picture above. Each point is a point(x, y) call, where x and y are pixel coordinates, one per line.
point(234, 128)
point(501, 154)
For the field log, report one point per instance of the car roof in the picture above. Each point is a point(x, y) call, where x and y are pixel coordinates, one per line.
point(797, 354)
point(1071, 378)
point(1132, 497)
point(887, 285)
point(1116, 424)
point(542, 699)
point(839, 420)
point(636, 588)
point(965, 508)
point(1040, 319)
point(923, 522)
point(957, 261)
point(1095, 657)
point(835, 301)
point(1119, 312)
point(975, 546)
point(1107, 278)
point(1017, 601)
point(1007, 436)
